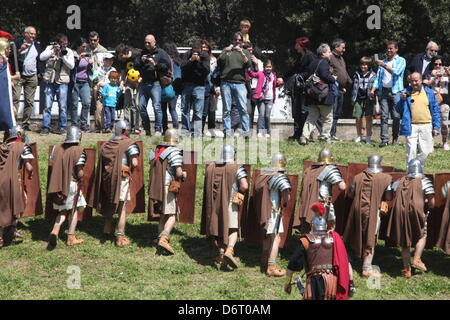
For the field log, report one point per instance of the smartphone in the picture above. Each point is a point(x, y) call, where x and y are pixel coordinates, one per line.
point(375, 57)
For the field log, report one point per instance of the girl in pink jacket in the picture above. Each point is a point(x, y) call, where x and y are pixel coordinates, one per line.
point(264, 95)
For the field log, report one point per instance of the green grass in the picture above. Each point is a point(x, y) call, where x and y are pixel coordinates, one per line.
point(29, 271)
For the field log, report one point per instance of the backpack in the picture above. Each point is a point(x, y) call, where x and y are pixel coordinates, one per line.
point(294, 85)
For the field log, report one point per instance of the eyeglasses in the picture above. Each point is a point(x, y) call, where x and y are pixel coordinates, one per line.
point(433, 50)
point(146, 42)
point(93, 40)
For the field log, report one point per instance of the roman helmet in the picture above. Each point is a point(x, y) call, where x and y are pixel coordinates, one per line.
point(121, 127)
point(279, 162)
point(318, 222)
point(374, 163)
point(170, 138)
point(14, 132)
point(415, 169)
point(73, 135)
point(227, 154)
point(325, 156)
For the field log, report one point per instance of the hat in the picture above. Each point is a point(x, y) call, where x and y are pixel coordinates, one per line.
point(108, 56)
point(304, 42)
point(4, 34)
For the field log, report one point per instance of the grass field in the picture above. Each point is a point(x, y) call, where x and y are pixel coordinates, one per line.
point(29, 271)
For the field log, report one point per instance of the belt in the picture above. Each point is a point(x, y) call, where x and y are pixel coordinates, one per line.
point(320, 269)
point(82, 82)
point(24, 76)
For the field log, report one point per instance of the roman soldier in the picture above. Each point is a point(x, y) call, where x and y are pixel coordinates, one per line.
point(327, 272)
point(317, 184)
point(444, 234)
point(224, 193)
point(369, 191)
point(65, 182)
point(15, 157)
point(166, 163)
point(407, 226)
point(118, 158)
point(271, 196)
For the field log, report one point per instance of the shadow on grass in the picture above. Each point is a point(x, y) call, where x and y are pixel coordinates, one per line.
point(200, 250)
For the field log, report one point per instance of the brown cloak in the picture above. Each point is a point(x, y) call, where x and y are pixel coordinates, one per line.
point(262, 201)
point(407, 217)
point(156, 190)
point(12, 203)
point(65, 157)
point(444, 234)
point(360, 231)
point(109, 175)
point(308, 195)
point(216, 199)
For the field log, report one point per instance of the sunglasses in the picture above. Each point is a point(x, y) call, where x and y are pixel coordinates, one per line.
point(438, 64)
point(146, 42)
point(93, 40)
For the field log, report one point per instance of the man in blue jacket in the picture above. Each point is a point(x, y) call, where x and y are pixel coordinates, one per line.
point(420, 118)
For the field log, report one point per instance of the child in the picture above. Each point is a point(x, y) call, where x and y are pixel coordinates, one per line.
point(264, 95)
point(244, 27)
point(110, 93)
point(101, 78)
point(363, 106)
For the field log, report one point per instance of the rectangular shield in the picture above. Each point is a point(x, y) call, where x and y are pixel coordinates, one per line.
point(137, 191)
point(251, 230)
point(186, 196)
point(435, 218)
point(32, 187)
point(87, 188)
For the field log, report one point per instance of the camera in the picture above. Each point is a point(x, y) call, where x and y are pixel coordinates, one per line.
point(87, 54)
point(63, 47)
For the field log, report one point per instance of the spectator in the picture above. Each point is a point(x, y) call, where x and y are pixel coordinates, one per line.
point(437, 79)
point(299, 109)
point(265, 94)
point(153, 63)
point(59, 61)
point(30, 69)
point(343, 79)
point(194, 72)
point(320, 109)
point(251, 83)
point(81, 84)
point(233, 62)
point(110, 94)
point(211, 95)
point(363, 106)
point(172, 51)
point(126, 60)
point(420, 118)
point(101, 77)
point(97, 53)
point(421, 62)
point(244, 28)
point(389, 84)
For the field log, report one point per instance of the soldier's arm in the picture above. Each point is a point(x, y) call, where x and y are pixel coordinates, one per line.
point(342, 186)
point(180, 174)
point(388, 193)
point(134, 162)
point(430, 201)
point(351, 193)
point(285, 197)
point(243, 185)
point(29, 168)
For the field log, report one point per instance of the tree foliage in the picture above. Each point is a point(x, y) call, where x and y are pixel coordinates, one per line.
point(275, 23)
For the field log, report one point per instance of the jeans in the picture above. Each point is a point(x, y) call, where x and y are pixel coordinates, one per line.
point(60, 91)
point(337, 111)
point(110, 115)
point(192, 96)
point(83, 91)
point(264, 110)
point(387, 105)
point(209, 111)
point(172, 106)
point(237, 92)
point(150, 91)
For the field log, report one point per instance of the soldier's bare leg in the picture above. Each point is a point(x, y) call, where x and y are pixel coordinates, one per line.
point(121, 240)
point(165, 227)
point(417, 262)
point(229, 252)
point(57, 227)
point(73, 221)
point(406, 255)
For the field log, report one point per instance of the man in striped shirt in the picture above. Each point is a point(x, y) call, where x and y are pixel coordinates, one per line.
point(389, 84)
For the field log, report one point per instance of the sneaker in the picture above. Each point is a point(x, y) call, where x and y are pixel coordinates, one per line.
point(62, 131)
point(303, 141)
point(267, 135)
point(369, 140)
point(45, 131)
point(334, 138)
point(383, 144)
point(148, 133)
point(357, 139)
point(86, 129)
point(209, 134)
point(236, 134)
point(446, 146)
point(261, 135)
point(395, 142)
point(158, 134)
point(218, 134)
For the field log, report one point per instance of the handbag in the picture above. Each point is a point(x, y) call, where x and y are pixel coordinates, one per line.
point(316, 88)
point(439, 98)
point(167, 93)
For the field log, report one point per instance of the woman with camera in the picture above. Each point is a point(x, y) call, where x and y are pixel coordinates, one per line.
point(81, 84)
